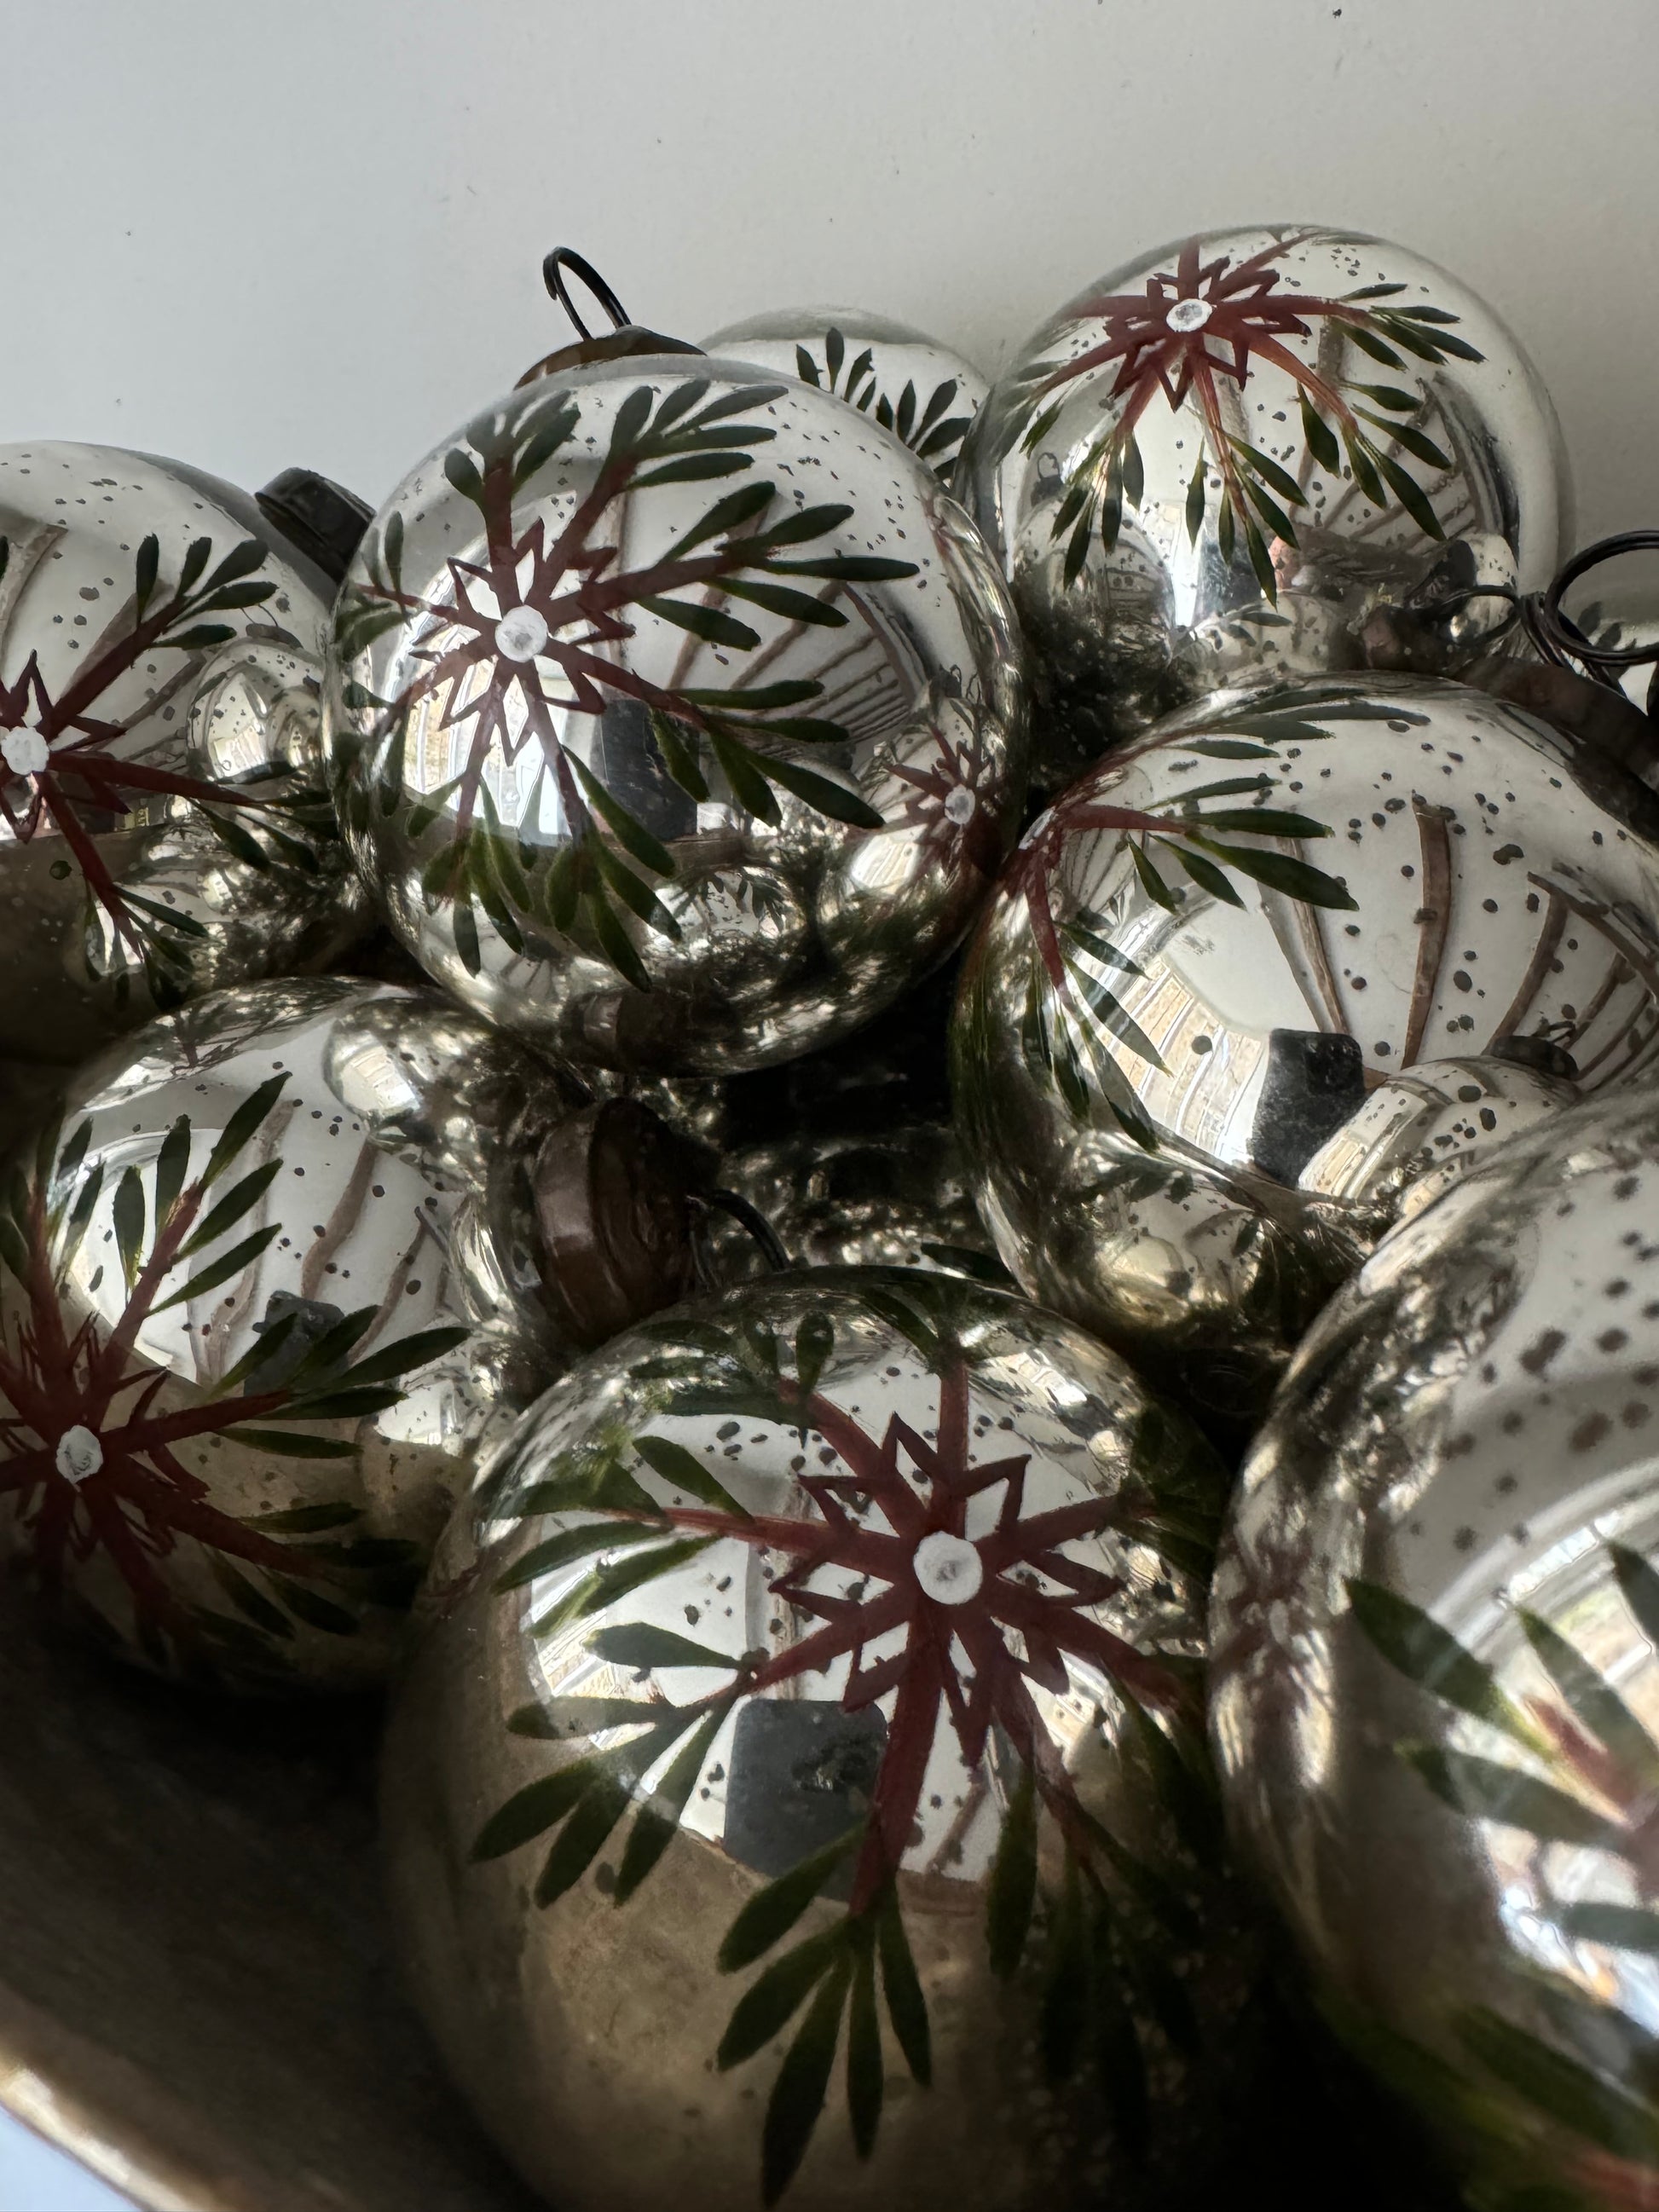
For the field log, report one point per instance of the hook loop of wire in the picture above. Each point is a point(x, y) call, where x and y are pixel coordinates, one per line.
point(1552, 632)
point(553, 276)
point(1560, 631)
point(751, 1219)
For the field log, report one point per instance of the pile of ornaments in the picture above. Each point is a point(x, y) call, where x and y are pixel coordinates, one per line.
point(895, 1591)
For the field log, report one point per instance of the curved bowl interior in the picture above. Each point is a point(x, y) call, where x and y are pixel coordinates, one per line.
point(198, 1993)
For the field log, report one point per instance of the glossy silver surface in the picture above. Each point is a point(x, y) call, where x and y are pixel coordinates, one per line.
point(562, 642)
point(777, 1531)
point(1171, 522)
point(892, 1198)
point(164, 817)
point(1187, 1114)
point(268, 1202)
point(1436, 1675)
point(925, 393)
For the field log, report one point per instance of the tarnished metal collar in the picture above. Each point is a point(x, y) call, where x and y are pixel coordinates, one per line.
point(613, 1190)
point(324, 520)
point(624, 339)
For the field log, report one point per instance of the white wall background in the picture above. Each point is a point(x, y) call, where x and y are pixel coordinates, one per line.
point(311, 230)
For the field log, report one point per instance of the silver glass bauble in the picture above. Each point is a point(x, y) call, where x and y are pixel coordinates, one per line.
point(923, 392)
point(164, 817)
point(1222, 456)
point(1254, 978)
point(675, 715)
point(264, 1287)
point(787, 1712)
point(1436, 1679)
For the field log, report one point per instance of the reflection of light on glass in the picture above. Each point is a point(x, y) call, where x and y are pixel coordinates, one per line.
point(1208, 1088)
point(1345, 1162)
point(236, 711)
point(1534, 1881)
point(1316, 1735)
point(375, 1076)
point(882, 863)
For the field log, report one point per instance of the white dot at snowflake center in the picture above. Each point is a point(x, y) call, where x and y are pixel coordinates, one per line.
point(25, 752)
point(79, 1454)
point(521, 633)
point(959, 805)
point(949, 1568)
point(1189, 314)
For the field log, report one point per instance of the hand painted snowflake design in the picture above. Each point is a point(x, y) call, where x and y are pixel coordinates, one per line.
point(537, 631)
point(1590, 1779)
point(89, 1462)
point(1200, 326)
point(958, 1631)
point(64, 767)
point(953, 803)
point(931, 431)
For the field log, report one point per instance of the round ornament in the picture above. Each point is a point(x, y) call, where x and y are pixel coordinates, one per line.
point(1436, 1677)
point(802, 1698)
point(675, 715)
point(1255, 979)
point(265, 1286)
point(923, 391)
point(165, 824)
point(1221, 457)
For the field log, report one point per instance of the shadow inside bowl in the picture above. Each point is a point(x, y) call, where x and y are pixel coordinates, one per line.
point(198, 1992)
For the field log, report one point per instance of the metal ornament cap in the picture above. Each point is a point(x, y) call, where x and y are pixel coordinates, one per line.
point(323, 518)
point(1434, 1688)
point(1222, 457)
point(625, 339)
point(613, 1186)
point(628, 343)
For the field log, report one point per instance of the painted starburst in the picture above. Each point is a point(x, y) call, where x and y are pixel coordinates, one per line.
point(1200, 327)
point(957, 1629)
point(951, 802)
point(89, 1453)
point(537, 631)
point(63, 765)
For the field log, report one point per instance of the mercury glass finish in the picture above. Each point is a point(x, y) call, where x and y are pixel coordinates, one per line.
point(267, 1283)
point(796, 1631)
point(925, 393)
point(1198, 1066)
point(892, 1198)
point(676, 716)
point(164, 817)
point(1222, 456)
point(1435, 1691)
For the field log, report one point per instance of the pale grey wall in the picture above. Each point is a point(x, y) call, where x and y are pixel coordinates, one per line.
point(251, 235)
